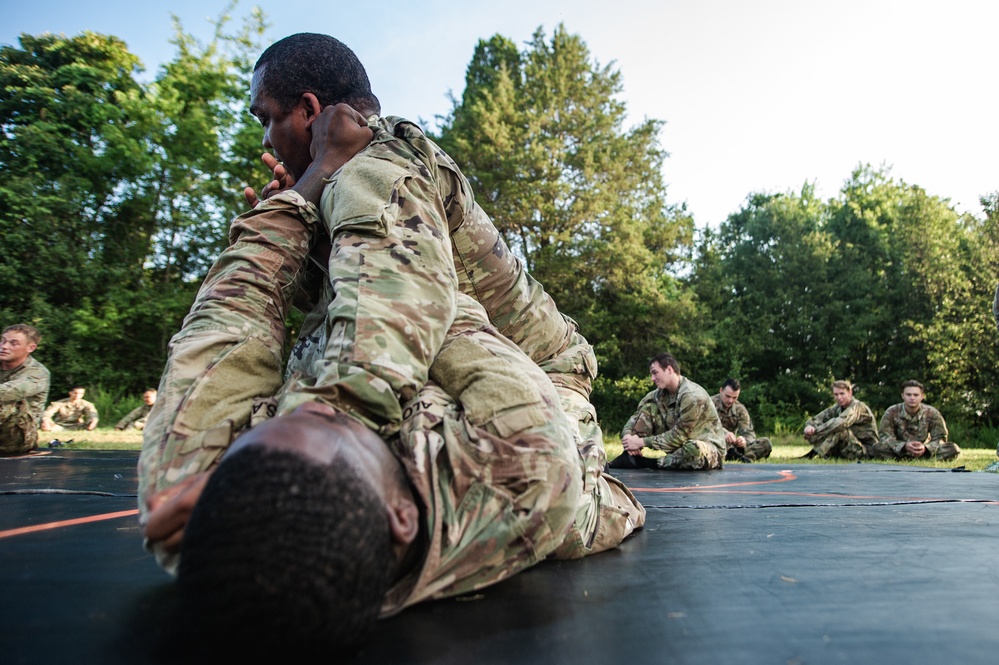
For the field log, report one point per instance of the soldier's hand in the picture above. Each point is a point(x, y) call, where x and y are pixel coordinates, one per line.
point(632, 444)
point(339, 133)
point(915, 448)
point(282, 181)
point(809, 430)
point(170, 510)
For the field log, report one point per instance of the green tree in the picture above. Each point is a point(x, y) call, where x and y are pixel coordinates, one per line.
point(116, 194)
point(898, 263)
point(963, 353)
point(72, 148)
point(540, 135)
point(764, 288)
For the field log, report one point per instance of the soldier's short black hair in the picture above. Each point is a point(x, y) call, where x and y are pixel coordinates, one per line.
point(320, 64)
point(732, 383)
point(30, 332)
point(665, 360)
point(284, 559)
point(912, 383)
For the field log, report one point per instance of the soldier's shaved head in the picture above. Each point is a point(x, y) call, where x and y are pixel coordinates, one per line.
point(320, 64)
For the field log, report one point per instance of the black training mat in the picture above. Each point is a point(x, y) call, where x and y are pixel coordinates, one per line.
point(851, 563)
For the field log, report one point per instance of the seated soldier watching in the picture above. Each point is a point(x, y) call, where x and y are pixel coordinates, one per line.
point(913, 430)
point(739, 434)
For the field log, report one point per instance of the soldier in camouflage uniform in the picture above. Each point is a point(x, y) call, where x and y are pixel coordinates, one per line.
point(739, 434)
point(913, 430)
point(136, 418)
point(24, 387)
point(386, 252)
point(678, 418)
point(845, 430)
point(74, 413)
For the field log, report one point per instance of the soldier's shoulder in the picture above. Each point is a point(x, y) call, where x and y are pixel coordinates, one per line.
point(652, 394)
point(697, 389)
point(36, 365)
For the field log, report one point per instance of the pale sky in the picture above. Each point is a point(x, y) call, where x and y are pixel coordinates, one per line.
point(759, 95)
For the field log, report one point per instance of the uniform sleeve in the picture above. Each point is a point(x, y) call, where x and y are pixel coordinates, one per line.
point(90, 414)
point(517, 303)
point(26, 384)
point(394, 287)
point(746, 425)
point(849, 416)
point(821, 417)
point(937, 431)
point(228, 351)
point(629, 427)
point(132, 416)
point(50, 411)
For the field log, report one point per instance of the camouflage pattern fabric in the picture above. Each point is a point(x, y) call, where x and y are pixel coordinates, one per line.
point(28, 382)
point(487, 437)
point(136, 418)
point(18, 428)
point(737, 421)
point(65, 415)
point(844, 432)
point(927, 426)
point(671, 422)
point(385, 306)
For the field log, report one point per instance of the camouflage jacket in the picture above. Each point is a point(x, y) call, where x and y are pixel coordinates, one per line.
point(65, 412)
point(689, 415)
point(136, 416)
point(382, 307)
point(29, 381)
point(927, 426)
point(735, 419)
point(857, 417)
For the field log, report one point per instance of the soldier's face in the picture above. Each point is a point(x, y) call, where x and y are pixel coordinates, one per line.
point(842, 396)
point(15, 348)
point(663, 378)
point(288, 135)
point(729, 396)
point(149, 397)
point(76, 395)
point(912, 397)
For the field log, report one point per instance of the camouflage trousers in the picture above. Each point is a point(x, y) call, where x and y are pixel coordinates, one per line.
point(754, 450)
point(693, 456)
point(64, 427)
point(18, 432)
point(946, 451)
point(839, 444)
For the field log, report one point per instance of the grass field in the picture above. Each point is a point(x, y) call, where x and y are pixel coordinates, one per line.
point(788, 449)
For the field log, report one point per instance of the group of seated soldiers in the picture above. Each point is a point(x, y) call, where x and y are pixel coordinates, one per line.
point(695, 430)
point(701, 432)
point(77, 413)
point(24, 389)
